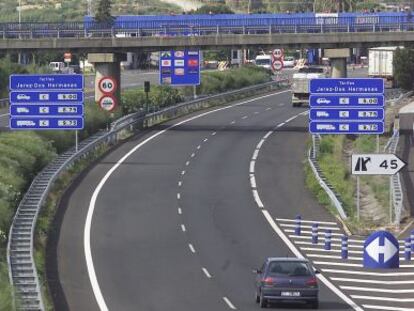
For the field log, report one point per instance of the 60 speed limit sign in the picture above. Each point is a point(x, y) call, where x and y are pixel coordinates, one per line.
point(107, 102)
point(107, 85)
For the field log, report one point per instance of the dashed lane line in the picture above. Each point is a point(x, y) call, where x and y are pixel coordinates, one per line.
point(178, 196)
point(253, 181)
point(198, 147)
point(233, 122)
point(251, 168)
point(257, 198)
point(180, 183)
point(205, 139)
point(229, 304)
point(182, 172)
point(214, 133)
point(193, 155)
point(187, 163)
point(180, 211)
point(206, 273)
point(191, 247)
point(255, 154)
point(183, 229)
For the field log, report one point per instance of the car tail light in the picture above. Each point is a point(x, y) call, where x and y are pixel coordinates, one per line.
point(312, 282)
point(268, 281)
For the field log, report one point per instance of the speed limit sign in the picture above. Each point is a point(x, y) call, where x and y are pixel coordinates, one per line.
point(107, 102)
point(278, 53)
point(277, 65)
point(107, 85)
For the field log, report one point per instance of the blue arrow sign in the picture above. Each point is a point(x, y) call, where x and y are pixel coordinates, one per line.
point(46, 110)
point(20, 97)
point(347, 86)
point(318, 114)
point(381, 251)
point(346, 127)
point(46, 82)
point(346, 100)
point(46, 123)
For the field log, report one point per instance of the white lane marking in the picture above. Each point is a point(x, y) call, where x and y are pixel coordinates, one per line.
point(310, 227)
point(233, 122)
point(244, 117)
point(182, 172)
point(183, 229)
point(267, 109)
point(255, 154)
point(382, 282)
point(332, 256)
point(198, 147)
point(4, 115)
point(308, 221)
point(256, 112)
point(180, 183)
point(191, 247)
point(378, 290)
point(92, 204)
point(332, 250)
point(228, 302)
point(252, 181)
point(383, 274)
point(257, 198)
point(342, 264)
point(308, 237)
point(322, 241)
point(390, 299)
point(259, 145)
point(268, 134)
point(310, 232)
point(180, 211)
point(252, 164)
point(304, 113)
point(281, 104)
point(205, 139)
point(178, 196)
point(206, 273)
point(291, 119)
point(386, 308)
point(280, 124)
point(187, 163)
point(193, 155)
point(214, 133)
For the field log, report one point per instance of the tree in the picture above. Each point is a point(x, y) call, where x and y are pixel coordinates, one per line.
point(214, 9)
point(404, 68)
point(103, 12)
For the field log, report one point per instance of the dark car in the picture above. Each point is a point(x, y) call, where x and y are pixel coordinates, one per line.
point(287, 279)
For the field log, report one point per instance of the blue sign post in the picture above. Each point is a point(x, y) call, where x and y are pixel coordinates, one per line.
point(180, 67)
point(46, 102)
point(346, 106)
point(381, 251)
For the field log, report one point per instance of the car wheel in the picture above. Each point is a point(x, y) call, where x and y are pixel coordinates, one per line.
point(315, 304)
point(262, 301)
point(257, 297)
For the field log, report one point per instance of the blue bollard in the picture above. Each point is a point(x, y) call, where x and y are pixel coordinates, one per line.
point(298, 222)
point(412, 240)
point(344, 247)
point(315, 234)
point(407, 249)
point(328, 241)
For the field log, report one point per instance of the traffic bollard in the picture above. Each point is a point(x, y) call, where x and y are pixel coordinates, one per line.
point(407, 249)
point(344, 247)
point(298, 221)
point(315, 234)
point(328, 237)
point(412, 240)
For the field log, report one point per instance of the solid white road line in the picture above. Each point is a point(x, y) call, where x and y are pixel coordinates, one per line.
point(390, 299)
point(259, 145)
point(291, 119)
point(255, 154)
point(332, 256)
point(180, 211)
point(183, 228)
point(332, 250)
point(257, 198)
point(322, 242)
point(382, 282)
point(386, 308)
point(310, 227)
point(378, 290)
point(228, 302)
point(342, 264)
point(206, 273)
point(382, 274)
point(308, 221)
point(252, 181)
point(308, 237)
point(251, 169)
point(268, 134)
point(280, 124)
point(178, 196)
point(92, 204)
point(310, 232)
point(191, 247)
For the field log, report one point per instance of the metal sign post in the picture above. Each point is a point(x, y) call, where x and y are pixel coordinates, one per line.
point(391, 197)
point(358, 199)
point(378, 144)
point(195, 91)
point(76, 141)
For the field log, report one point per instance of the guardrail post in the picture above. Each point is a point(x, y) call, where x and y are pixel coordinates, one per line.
point(58, 33)
point(349, 28)
point(298, 222)
point(270, 29)
point(321, 28)
point(315, 234)
point(407, 249)
point(112, 32)
point(328, 239)
point(344, 247)
point(218, 30)
point(373, 27)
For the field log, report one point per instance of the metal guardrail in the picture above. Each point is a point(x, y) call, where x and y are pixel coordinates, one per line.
point(4, 102)
point(22, 270)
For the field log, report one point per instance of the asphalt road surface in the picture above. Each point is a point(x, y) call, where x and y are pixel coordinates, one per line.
point(177, 225)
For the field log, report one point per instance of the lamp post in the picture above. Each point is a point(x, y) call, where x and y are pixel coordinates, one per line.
point(89, 7)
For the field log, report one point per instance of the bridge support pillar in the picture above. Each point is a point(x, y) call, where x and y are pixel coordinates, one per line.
point(338, 61)
point(107, 65)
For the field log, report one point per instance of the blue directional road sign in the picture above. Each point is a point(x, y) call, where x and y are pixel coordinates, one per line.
point(321, 114)
point(347, 86)
point(67, 97)
point(46, 123)
point(46, 110)
point(51, 82)
point(180, 67)
point(336, 101)
point(381, 251)
point(346, 127)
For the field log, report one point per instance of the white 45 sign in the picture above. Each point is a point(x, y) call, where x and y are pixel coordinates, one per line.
point(376, 164)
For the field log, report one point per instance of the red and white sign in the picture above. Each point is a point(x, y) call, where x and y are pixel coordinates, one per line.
point(166, 63)
point(107, 102)
point(107, 85)
point(67, 57)
point(277, 65)
point(278, 54)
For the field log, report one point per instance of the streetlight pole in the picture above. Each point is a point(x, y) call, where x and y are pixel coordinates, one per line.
point(89, 7)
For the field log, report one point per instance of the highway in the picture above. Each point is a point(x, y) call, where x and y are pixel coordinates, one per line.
point(177, 225)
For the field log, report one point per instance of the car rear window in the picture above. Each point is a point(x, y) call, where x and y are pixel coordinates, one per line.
point(289, 268)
